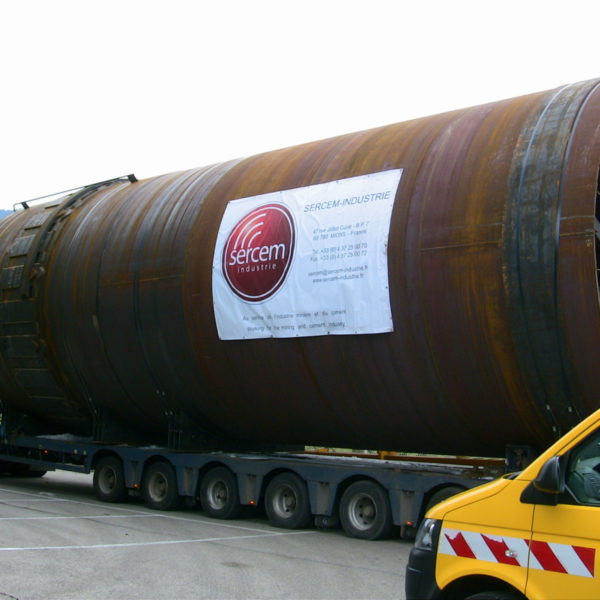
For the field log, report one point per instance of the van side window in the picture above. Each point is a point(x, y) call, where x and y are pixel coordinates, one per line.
point(583, 472)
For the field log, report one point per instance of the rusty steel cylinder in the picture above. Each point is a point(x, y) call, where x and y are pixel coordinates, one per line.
point(480, 327)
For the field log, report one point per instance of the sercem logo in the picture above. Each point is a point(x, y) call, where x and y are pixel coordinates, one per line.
point(259, 251)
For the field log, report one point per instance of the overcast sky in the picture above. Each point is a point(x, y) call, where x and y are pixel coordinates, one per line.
point(93, 90)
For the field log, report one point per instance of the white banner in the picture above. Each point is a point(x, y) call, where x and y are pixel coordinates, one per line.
point(308, 261)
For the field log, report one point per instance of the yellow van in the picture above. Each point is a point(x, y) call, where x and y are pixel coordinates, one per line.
point(532, 535)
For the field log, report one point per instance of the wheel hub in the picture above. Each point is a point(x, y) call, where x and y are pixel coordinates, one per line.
point(362, 512)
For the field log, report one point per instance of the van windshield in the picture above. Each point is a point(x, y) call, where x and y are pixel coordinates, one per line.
point(583, 472)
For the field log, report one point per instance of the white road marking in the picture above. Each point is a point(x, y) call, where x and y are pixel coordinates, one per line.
point(157, 543)
point(80, 517)
point(42, 494)
point(148, 513)
point(28, 500)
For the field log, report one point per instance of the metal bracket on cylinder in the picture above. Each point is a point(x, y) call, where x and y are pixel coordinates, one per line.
point(25, 203)
point(33, 263)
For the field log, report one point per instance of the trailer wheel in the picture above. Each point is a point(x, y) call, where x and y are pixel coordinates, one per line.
point(219, 494)
point(109, 480)
point(159, 487)
point(365, 511)
point(442, 495)
point(23, 470)
point(36, 473)
point(286, 502)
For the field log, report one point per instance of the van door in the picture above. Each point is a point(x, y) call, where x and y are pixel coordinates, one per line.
point(565, 545)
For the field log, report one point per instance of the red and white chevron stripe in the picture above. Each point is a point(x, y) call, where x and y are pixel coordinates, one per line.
point(546, 556)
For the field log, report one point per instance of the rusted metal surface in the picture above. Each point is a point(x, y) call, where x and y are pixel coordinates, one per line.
point(493, 286)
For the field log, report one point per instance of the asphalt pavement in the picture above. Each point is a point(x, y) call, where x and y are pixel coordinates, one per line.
point(58, 542)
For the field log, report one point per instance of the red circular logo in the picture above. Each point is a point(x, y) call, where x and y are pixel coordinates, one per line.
point(259, 251)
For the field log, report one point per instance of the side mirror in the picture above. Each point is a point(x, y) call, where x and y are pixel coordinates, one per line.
point(550, 479)
point(547, 486)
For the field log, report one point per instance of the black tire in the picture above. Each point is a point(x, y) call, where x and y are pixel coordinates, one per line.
point(23, 470)
point(286, 502)
point(497, 595)
point(443, 494)
point(159, 487)
point(219, 494)
point(365, 511)
point(109, 480)
point(17, 469)
point(36, 473)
